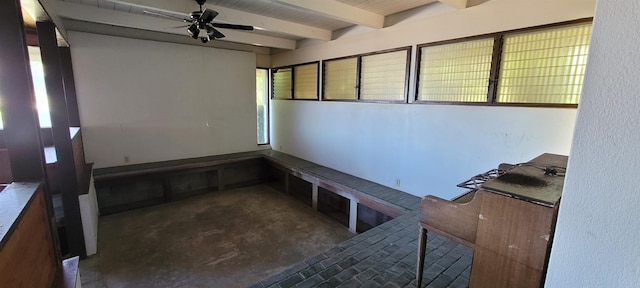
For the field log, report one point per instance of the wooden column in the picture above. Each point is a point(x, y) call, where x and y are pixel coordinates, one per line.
point(21, 126)
point(61, 138)
point(69, 86)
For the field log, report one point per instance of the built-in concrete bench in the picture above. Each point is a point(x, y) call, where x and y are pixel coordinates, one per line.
point(363, 196)
point(355, 201)
point(127, 187)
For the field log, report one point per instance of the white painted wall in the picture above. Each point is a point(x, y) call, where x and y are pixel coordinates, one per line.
point(430, 148)
point(153, 101)
point(89, 213)
point(597, 235)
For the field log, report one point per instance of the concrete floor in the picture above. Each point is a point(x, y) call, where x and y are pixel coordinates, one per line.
point(223, 239)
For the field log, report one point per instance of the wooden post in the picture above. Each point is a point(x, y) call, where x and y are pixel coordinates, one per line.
point(61, 137)
point(21, 126)
point(69, 86)
point(422, 250)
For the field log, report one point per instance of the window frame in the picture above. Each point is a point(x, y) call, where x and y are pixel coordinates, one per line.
point(492, 85)
point(267, 109)
point(292, 80)
point(358, 93)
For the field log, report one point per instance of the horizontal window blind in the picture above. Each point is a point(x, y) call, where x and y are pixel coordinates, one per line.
point(305, 79)
point(383, 76)
point(457, 72)
point(282, 83)
point(545, 66)
point(340, 79)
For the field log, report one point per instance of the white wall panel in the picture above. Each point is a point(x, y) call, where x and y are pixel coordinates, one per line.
point(145, 101)
point(429, 148)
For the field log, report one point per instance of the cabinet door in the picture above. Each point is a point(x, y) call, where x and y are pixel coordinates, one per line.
point(511, 244)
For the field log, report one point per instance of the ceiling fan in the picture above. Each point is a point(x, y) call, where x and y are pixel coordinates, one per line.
point(201, 26)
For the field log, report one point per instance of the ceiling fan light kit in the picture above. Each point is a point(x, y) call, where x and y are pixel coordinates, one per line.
point(201, 20)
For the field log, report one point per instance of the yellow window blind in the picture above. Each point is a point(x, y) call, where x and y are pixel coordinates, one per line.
point(305, 80)
point(340, 79)
point(457, 72)
point(282, 83)
point(545, 66)
point(384, 76)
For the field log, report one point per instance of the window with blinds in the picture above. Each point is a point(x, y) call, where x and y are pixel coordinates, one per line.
point(281, 87)
point(545, 66)
point(383, 76)
point(305, 81)
point(456, 72)
point(340, 79)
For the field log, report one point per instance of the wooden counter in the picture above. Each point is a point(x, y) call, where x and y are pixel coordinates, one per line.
point(27, 252)
point(509, 221)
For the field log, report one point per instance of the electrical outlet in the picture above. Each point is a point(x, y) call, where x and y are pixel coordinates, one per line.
point(126, 159)
point(397, 182)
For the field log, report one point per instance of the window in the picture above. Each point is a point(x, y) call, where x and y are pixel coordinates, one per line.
point(282, 83)
point(296, 82)
point(384, 76)
point(455, 72)
point(305, 81)
point(375, 77)
point(262, 104)
point(540, 66)
point(545, 66)
point(39, 88)
point(340, 79)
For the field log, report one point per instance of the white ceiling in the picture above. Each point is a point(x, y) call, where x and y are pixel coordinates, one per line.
point(279, 24)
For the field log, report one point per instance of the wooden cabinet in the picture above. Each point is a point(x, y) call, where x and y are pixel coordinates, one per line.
point(27, 252)
point(509, 221)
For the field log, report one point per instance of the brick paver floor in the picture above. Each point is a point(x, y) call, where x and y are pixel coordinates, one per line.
point(384, 256)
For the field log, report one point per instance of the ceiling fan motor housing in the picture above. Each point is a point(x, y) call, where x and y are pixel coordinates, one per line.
point(195, 16)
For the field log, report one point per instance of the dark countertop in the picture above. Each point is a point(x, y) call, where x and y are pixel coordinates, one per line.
point(170, 165)
point(532, 181)
point(13, 200)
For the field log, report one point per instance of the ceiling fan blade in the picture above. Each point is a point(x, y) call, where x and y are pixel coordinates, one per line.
point(176, 27)
point(172, 17)
point(233, 26)
point(193, 31)
point(217, 34)
point(208, 15)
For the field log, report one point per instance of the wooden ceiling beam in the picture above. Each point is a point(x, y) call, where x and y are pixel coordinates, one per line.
point(462, 4)
point(340, 11)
